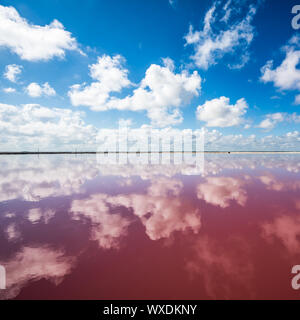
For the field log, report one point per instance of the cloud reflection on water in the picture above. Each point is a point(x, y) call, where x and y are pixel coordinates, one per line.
point(224, 225)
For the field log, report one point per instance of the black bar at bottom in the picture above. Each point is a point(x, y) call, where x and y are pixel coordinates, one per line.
point(185, 309)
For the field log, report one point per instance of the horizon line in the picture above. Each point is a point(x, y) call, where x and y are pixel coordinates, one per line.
point(143, 152)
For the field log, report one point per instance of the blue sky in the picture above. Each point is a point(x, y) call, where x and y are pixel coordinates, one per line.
point(161, 64)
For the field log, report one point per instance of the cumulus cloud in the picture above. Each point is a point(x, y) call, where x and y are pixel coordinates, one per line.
point(161, 92)
point(110, 76)
point(12, 71)
point(294, 117)
point(286, 76)
point(271, 120)
point(33, 42)
point(9, 90)
point(219, 113)
point(32, 125)
point(35, 90)
point(224, 32)
point(216, 140)
point(288, 142)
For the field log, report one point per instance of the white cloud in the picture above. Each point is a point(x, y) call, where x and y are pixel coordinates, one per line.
point(35, 90)
point(12, 71)
point(212, 43)
point(294, 117)
point(271, 120)
point(110, 76)
point(286, 76)
point(219, 113)
point(161, 92)
point(243, 61)
point(267, 124)
point(227, 10)
point(32, 125)
point(215, 140)
point(33, 42)
point(169, 63)
point(9, 90)
point(163, 118)
point(297, 99)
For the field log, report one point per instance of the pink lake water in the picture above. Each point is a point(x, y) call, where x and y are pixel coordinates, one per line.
point(71, 228)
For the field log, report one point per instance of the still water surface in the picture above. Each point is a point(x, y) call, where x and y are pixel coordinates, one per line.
point(71, 228)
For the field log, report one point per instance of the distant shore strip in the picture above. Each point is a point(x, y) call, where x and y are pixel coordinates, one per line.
point(149, 152)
